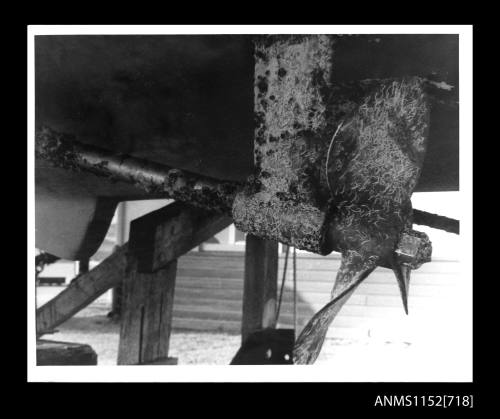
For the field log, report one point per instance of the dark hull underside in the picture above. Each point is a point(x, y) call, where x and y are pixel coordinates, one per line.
point(188, 102)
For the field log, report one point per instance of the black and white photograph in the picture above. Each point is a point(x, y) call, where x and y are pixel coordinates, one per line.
point(250, 203)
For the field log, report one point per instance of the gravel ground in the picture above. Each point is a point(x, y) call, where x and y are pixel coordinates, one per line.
point(369, 359)
point(91, 326)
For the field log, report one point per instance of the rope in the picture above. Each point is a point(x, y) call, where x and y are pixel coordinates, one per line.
point(295, 317)
point(282, 284)
point(294, 289)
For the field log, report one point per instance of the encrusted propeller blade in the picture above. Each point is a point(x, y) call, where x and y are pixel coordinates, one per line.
point(353, 270)
point(373, 164)
point(402, 273)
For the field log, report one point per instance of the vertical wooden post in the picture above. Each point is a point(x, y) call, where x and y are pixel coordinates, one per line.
point(83, 266)
point(260, 285)
point(147, 314)
point(156, 241)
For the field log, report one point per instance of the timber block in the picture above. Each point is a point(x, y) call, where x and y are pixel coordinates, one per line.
point(146, 320)
point(163, 235)
point(163, 361)
point(156, 241)
point(64, 353)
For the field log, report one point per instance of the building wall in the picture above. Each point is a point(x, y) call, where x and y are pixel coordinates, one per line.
point(210, 283)
point(209, 292)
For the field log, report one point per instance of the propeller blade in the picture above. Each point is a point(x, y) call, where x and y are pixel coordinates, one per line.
point(353, 270)
point(402, 273)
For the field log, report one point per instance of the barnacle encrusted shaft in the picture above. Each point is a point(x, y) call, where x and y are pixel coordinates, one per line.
point(62, 150)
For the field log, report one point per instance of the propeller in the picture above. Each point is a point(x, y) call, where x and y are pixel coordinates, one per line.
point(372, 166)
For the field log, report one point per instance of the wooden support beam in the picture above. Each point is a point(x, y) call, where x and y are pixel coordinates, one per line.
point(163, 235)
point(260, 286)
point(83, 265)
point(156, 241)
point(147, 314)
point(175, 229)
point(82, 291)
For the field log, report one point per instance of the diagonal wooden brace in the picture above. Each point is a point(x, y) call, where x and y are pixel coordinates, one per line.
point(156, 241)
point(163, 235)
point(183, 228)
point(82, 291)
